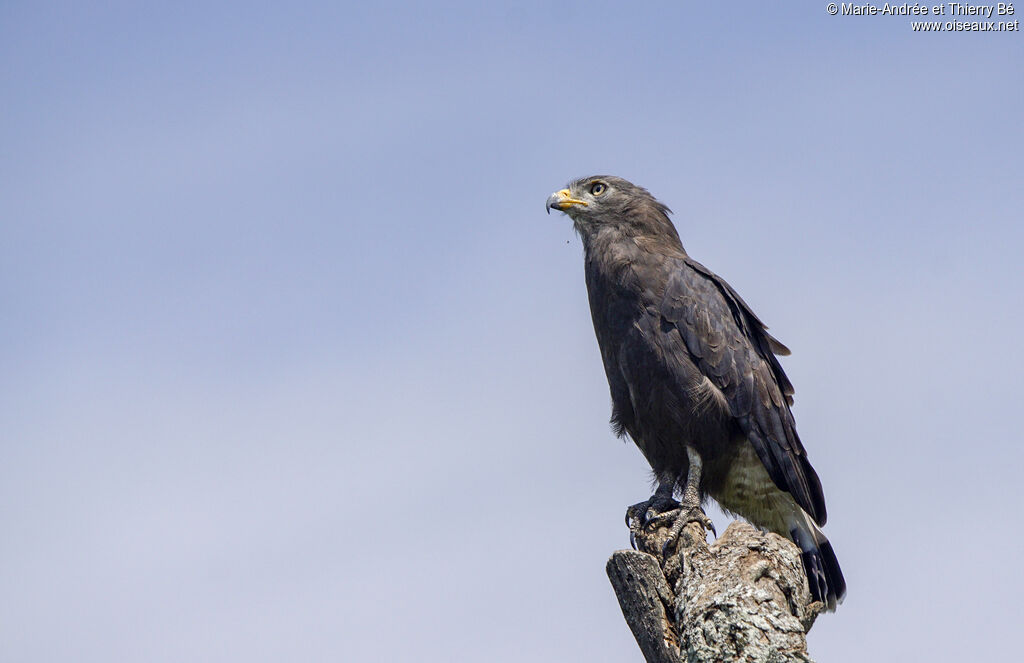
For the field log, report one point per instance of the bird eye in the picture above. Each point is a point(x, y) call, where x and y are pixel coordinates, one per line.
point(597, 188)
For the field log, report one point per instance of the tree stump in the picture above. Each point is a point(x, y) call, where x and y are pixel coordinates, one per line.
point(742, 598)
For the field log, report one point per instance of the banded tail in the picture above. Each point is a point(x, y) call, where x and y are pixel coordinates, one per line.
point(824, 577)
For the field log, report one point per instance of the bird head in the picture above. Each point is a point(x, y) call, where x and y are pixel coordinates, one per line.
point(603, 200)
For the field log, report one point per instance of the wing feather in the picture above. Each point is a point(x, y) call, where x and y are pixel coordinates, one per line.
point(732, 348)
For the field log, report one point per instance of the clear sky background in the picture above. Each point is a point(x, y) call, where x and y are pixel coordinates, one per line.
point(293, 366)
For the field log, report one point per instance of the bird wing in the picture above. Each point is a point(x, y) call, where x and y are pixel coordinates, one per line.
point(731, 347)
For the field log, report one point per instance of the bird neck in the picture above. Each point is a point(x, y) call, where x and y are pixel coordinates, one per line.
point(626, 241)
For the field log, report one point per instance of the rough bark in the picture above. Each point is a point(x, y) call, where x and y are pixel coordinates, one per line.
point(742, 598)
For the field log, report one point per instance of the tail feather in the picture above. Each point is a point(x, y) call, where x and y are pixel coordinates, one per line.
point(824, 577)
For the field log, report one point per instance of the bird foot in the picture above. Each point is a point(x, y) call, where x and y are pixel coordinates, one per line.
point(643, 513)
point(659, 511)
point(680, 518)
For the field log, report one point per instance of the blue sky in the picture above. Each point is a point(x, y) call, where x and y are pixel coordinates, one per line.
point(293, 364)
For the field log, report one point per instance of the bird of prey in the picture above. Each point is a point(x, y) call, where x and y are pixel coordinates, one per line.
point(694, 378)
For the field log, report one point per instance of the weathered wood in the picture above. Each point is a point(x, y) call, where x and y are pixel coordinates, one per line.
point(742, 598)
point(647, 604)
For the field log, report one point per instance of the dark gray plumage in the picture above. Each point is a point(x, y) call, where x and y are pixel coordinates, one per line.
point(693, 375)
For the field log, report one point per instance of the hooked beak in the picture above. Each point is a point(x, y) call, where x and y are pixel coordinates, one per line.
point(562, 200)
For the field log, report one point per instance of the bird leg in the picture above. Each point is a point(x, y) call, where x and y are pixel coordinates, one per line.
point(689, 510)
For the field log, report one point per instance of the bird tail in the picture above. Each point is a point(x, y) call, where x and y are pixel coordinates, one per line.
point(824, 577)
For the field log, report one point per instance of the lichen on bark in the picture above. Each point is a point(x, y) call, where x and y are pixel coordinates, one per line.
point(744, 597)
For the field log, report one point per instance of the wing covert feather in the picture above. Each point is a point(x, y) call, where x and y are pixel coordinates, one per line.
point(730, 346)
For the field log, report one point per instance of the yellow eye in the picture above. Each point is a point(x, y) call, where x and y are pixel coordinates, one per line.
point(597, 188)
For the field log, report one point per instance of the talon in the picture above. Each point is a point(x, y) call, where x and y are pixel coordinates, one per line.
point(636, 514)
point(656, 510)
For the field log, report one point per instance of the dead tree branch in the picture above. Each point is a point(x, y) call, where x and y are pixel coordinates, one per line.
point(742, 598)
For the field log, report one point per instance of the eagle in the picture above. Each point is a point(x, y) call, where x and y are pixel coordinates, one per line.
point(695, 379)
